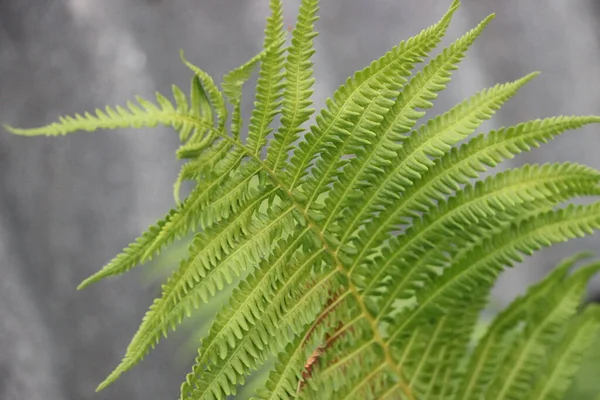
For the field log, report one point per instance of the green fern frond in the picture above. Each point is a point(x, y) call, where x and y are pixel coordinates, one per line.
point(492, 348)
point(512, 192)
point(380, 149)
point(350, 97)
point(546, 321)
point(284, 379)
point(364, 258)
point(212, 91)
point(252, 347)
point(177, 224)
point(484, 262)
point(298, 83)
point(431, 140)
point(147, 114)
point(270, 80)
point(565, 359)
point(213, 260)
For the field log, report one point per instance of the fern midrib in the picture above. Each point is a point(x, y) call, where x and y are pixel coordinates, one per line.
point(447, 385)
point(481, 362)
point(407, 349)
point(434, 378)
point(503, 321)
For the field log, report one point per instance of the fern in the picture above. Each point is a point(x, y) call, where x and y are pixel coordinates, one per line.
point(362, 249)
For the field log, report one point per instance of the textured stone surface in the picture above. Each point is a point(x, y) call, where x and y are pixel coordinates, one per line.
point(68, 205)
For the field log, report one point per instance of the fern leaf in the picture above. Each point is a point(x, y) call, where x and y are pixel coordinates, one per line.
point(197, 168)
point(544, 329)
point(245, 307)
point(492, 347)
point(284, 378)
point(214, 94)
point(187, 216)
point(418, 93)
point(527, 187)
point(248, 352)
point(483, 263)
point(298, 84)
point(232, 88)
point(345, 101)
point(431, 140)
point(148, 115)
point(566, 358)
point(131, 255)
point(213, 259)
point(269, 85)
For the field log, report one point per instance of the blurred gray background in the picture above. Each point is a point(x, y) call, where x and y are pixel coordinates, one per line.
point(68, 205)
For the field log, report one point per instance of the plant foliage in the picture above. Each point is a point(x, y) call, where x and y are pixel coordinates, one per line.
point(364, 248)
